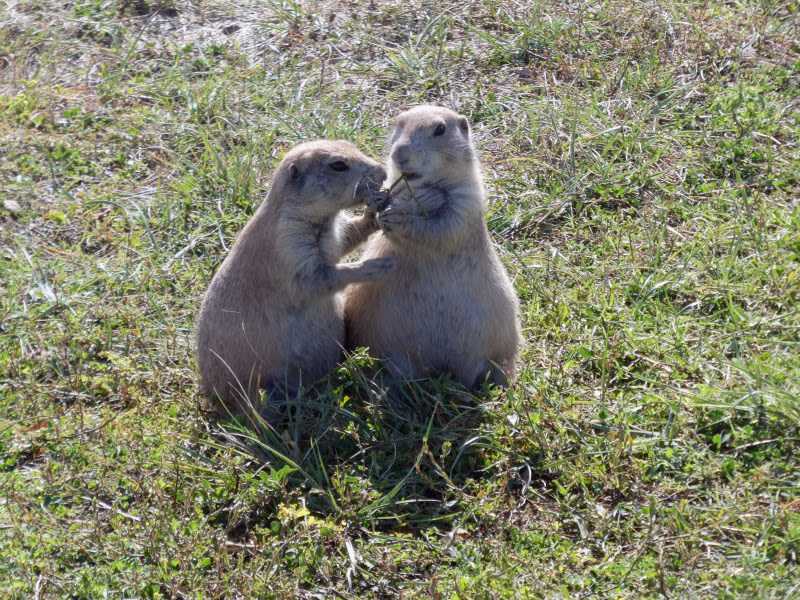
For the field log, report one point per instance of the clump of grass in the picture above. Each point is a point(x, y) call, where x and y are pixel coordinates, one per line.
point(411, 441)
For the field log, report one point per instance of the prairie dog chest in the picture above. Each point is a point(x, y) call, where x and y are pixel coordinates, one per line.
point(329, 239)
point(442, 275)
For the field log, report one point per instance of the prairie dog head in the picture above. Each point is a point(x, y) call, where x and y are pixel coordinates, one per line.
point(318, 179)
point(431, 144)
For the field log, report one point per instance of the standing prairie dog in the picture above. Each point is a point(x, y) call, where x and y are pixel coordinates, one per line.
point(449, 305)
point(272, 315)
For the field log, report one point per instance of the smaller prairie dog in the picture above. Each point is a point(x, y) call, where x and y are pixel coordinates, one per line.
point(272, 315)
point(449, 305)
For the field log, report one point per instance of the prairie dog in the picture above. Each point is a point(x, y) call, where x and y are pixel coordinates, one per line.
point(272, 314)
point(449, 305)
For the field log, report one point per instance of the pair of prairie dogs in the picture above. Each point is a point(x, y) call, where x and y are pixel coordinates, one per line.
point(430, 294)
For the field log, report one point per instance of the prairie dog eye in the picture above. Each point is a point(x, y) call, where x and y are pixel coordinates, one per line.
point(339, 165)
point(440, 129)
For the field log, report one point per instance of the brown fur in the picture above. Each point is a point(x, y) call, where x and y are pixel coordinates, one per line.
point(449, 305)
point(272, 315)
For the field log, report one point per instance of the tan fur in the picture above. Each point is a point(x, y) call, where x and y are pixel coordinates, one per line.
point(449, 305)
point(272, 315)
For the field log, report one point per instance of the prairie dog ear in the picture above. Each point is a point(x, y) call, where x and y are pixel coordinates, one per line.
point(294, 172)
point(394, 132)
point(463, 125)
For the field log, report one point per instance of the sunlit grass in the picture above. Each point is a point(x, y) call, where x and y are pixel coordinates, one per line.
point(642, 167)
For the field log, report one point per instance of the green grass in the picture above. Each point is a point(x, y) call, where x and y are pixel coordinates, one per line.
point(642, 162)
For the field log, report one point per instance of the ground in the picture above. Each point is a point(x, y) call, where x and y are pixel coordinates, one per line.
point(641, 161)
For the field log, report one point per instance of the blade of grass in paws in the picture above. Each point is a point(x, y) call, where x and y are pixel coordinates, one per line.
point(404, 179)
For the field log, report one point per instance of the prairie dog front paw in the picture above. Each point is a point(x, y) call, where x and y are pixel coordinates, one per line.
point(375, 268)
point(392, 219)
point(377, 200)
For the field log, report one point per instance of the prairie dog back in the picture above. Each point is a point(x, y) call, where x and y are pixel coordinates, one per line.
point(449, 305)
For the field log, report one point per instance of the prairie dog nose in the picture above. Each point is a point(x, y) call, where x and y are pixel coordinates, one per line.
point(401, 154)
point(379, 173)
point(375, 176)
